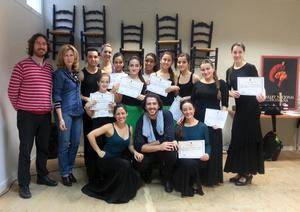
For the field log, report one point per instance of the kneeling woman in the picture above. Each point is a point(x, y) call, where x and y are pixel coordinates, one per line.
point(187, 173)
point(119, 181)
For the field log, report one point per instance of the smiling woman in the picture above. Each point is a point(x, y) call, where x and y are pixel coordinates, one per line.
point(117, 181)
point(68, 107)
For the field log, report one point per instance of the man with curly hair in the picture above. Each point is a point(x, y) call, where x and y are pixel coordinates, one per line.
point(29, 92)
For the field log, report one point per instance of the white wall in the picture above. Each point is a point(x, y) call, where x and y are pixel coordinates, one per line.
point(269, 27)
point(266, 27)
point(17, 25)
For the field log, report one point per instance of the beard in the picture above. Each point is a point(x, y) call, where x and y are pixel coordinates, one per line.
point(40, 52)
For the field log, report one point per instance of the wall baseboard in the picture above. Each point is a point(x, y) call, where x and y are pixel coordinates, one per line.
point(4, 185)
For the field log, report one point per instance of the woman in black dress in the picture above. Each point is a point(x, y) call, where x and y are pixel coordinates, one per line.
point(245, 153)
point(119, 181)
point(186, 78)
point(211, 93)
point(98, 120)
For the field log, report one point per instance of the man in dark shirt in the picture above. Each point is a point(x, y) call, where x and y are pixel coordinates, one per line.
point(155, 138)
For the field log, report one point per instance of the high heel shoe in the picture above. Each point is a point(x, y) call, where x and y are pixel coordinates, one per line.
point(248, 180)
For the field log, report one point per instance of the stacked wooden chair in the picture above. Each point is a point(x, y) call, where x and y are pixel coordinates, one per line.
point(62, 29)
point(132, 40)
point(200, 45)
point(167, 35)
point(94, 29)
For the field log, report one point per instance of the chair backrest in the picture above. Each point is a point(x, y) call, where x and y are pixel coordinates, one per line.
point(197, 56)
point(131, 34)
point(94, 21)
point(166, 28)
point(64, 19)
point(201, 34)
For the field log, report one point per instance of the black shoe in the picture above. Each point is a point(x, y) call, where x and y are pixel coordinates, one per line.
point(46, 181)
point(200, 191)
point(147, 177)
point(24, 192)
point(234, 179)
point(72, 178)
point(66, 181)
point(168, 187)
point(244, 180)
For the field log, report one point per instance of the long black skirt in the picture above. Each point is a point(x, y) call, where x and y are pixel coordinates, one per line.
point(245, 153)
point(188, 173)
point(118, 182)
point(89, 153)
point(213, 173)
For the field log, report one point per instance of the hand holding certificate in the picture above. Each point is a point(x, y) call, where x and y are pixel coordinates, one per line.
point(158, 85)
point(102, 107)
point(175, 109)
point(250, 86)
point(215, 118)
point(191, 149)
point(130, 87)
point(115, 78)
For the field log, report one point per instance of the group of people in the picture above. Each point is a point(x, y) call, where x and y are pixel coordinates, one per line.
point(133, 136)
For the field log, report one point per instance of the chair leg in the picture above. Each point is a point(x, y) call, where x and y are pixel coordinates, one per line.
point(192, 60)
point(82, 45)
point(216, 58)
point(157, 50)
point(53, 46)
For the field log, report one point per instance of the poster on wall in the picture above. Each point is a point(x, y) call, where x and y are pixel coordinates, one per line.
point(281, 75)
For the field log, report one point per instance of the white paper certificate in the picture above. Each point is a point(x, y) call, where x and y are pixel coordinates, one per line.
point(250, 86)
point(158, 85)
point(102, 106)
point(116, 78)
point(191, 149)
point(175, 109)
point(130, 87)
point(215, 118)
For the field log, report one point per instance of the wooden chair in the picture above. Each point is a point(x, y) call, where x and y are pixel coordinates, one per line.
point(132, 41)
point(167, 35)
point(62, 29)
point(200, 46)
point(94, 29)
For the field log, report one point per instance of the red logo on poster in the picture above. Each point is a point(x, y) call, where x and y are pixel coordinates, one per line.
point(278, 74)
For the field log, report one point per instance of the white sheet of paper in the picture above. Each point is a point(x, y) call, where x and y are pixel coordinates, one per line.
point(215, 118)
point(130, 87)
point(102, 108)
point(175, 109)
point(158, 85)
point(250, 86)
point(191, 149)
point(115, 78)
